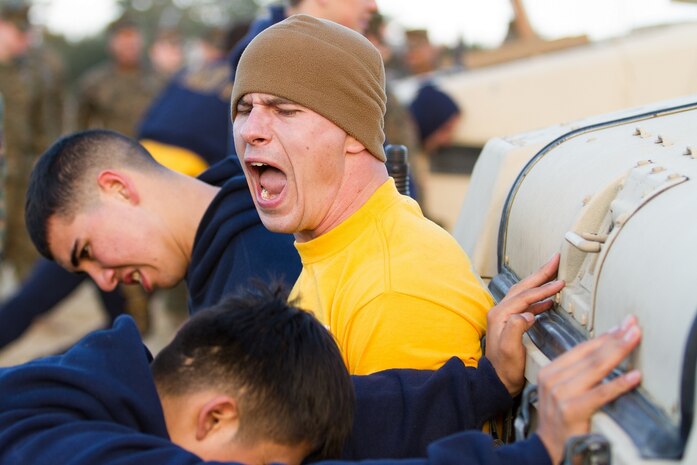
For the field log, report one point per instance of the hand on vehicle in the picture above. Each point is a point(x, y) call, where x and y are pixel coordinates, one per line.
point(514, 315)
point(570, 388)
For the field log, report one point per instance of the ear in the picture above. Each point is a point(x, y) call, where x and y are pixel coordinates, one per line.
point(352, 146)
point(217, 414)
point(118, 183)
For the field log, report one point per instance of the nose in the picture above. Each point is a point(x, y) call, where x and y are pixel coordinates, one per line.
point(254, 127)
point(105, 278)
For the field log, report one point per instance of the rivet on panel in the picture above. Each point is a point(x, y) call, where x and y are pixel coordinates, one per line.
point(663, 141)
point(586, 200)
point(674, 176)
point(691, 151)
point(657, 169)
point(584, 320)
point(643, 162)
point(643, 133)
point(505, 260)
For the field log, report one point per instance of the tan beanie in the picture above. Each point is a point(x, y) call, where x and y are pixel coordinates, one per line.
point(321, 65)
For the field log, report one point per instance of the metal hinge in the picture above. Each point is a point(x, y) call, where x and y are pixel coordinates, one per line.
point(523, 419)
point(587, 449)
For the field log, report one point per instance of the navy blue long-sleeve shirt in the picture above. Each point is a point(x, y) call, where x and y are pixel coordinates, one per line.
point(97, 404)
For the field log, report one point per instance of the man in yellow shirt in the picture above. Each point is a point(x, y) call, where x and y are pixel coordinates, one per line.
point(394, 288)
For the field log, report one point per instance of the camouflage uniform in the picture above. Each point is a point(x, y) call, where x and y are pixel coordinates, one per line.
point(116, 99)
point(2, 181)
point(50, 75)
point(26, 136)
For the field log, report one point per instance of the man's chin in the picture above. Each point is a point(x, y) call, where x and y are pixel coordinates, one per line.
point(276, 224)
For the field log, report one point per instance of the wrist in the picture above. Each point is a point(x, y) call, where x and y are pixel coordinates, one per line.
point(554, 449)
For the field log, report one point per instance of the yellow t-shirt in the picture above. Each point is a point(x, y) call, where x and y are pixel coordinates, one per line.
point(394, 288)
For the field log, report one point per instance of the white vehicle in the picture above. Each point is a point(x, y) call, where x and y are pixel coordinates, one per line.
point(617, 196)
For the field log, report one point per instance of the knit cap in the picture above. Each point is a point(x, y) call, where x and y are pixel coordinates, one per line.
point(431, 108)
point(328, 68)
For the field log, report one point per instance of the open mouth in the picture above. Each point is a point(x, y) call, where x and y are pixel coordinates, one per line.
point(136, 278)
point(272, 181)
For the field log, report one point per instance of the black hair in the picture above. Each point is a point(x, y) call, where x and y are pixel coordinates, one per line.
point(57, 185)
point(279, 362)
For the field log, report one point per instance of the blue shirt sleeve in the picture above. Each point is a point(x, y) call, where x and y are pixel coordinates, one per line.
point(400, 412)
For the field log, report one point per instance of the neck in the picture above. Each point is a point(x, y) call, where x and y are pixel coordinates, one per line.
point(364, 175)
point(186, 200)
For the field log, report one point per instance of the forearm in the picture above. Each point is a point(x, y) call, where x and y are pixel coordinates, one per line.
point(399, 412)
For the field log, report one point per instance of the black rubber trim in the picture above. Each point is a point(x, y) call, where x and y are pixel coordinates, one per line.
point(501, 283)
point(687, 384)
point(649, 428)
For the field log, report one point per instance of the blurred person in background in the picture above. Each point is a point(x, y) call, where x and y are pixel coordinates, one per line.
point(185, 127)
point(32, 78)
point(48, 284)
point(421, 56)
point(115, 94)
point(400, 127)
point(3, 217)
point(29, 86)
point(112, 95)
point(436, 115)
point(166, 53)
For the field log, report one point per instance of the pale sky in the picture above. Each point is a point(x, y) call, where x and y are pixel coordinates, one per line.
point(482, 22)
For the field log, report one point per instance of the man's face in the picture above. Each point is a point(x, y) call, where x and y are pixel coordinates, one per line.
point(294, 160)
point(442, 136)
point(114, 242)
point(13, 42)
point(354, 14)
point(126, 45)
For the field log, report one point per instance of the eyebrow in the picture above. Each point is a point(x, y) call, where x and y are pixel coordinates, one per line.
point(275, 101)
point(270, 101)
point(73, 255)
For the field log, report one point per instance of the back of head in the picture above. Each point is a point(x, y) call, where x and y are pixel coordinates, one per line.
point(59, 182)
point(431, 109)
point(328, 68)
point(124, 22)
point(282, 366)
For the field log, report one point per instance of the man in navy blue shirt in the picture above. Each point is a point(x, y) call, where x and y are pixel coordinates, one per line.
point(254, 380)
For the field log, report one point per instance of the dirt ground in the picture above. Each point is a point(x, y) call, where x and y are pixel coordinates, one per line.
point(79, 314)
